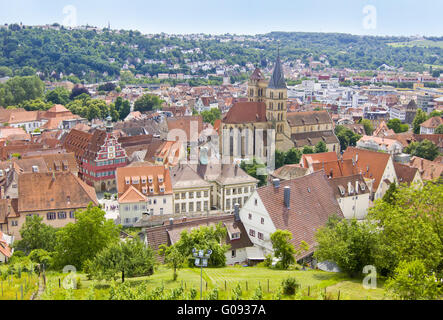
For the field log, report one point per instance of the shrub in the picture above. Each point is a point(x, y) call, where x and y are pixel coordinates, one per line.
point(213, 294)
point(290, 286)
point(268, 261)
point(258, 294)
point(192, 293)
point(237, 292)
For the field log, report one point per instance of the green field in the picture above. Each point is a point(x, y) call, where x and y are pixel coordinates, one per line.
point(13, 288)
point(418, 43)
point(313, 284)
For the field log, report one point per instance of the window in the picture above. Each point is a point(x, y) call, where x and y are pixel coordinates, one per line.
point(183, 195)
point(245, 199)
point(191, 206)
point(51, 216)
point(135, 220)
point(177, 196)
point(191, 195)
point(72, 214)
point(260, 236)
point(135, 207)
point(206, 194)
point(199, 194)
point(161, 210)
point(127, 208)
point(61, 215)
point(14, 223)
point(245, 190)
point(235, 235)
point(164, 200)
point(233, 253)
point(262, 220)
point(252, 233)
point(183, 207)
point(127, 220)
point(255, 201)
point(228, 204)
point(177, 208)
point(250, 216)
point(151, 212)
point(199, 206)
point(206, 205)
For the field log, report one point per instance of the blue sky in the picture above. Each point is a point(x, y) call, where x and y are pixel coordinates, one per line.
point(393, 17)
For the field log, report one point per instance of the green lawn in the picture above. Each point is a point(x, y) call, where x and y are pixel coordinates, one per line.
point(313, 283)
point(12, 289)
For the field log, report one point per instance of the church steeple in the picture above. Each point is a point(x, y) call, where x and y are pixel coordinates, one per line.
point(278, 78)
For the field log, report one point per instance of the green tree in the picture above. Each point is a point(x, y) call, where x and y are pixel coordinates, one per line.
point(389, 196)
point(284, 250)
point(173, 258)
point(59, 95)
point(439, 129)
point(80, 241)
point(397, 126)
point(424, 149)
point(367, 124)
point(411, 281)
point(293, 156)
point(348, 243)
point(126, 258)
point(420, 117)
point(254, 170)
point(123, 107)
point(279, 159)
point(19, 89)
point(147, 102)
point(308, 150)
point(5, 72)
point(321, 147)
point(204, 238)
point(411, 228)
point(36, 235)
point(211, 115)
point(37, 104)
point(346, 137)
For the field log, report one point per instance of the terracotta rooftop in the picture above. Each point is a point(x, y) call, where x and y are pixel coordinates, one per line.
point(246, 112)
point(306, 159)
point(405, 173)
point(371, 164)
point(433, 122)
point(52, 191)
point(312, 202)
point(348, 186)
point(308, 118)
point(429, 170)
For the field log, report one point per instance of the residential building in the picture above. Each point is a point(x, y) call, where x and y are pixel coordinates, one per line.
point(229, 185)
point(407, 174)
point(380, 144)
point(429, 126)
point(170, 233)
point(143, 188)
point(192, 194)
point(377, 168)
point(53, 196)
point(352, 195)
point(301, 206)
point(429, 170)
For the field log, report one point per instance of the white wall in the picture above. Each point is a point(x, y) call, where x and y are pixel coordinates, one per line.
point(355, 206)
point(258, 211)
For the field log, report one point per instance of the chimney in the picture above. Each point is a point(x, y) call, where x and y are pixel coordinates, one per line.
point(287, 196)
point(237, 212)
point(171, 221)
point(276, 183)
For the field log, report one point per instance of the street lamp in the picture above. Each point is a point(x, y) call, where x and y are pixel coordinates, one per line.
point(201, 260)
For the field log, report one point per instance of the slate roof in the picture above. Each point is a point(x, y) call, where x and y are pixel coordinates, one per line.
point(312, 202)
point(277, 80)
point(313, 138)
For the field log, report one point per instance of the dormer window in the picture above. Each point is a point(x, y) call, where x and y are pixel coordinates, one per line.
point(151, 189)
point(135, 180)
point(235, 235)
point(143, 180)
point(144, 190)
point(150, 179)
point(127, 180)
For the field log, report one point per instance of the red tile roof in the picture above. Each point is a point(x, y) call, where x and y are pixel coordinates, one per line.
point(246, 112)
point(312, 202)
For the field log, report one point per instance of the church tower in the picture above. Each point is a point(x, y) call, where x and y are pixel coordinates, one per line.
point(276, 99)
point(257, 87)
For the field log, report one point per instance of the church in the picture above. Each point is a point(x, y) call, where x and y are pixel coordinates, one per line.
point(265, 115)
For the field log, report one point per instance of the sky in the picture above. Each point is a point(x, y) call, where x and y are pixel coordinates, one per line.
point(362, 17)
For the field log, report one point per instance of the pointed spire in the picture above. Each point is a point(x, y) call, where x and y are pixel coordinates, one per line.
point(257, 75)
point(278, 78)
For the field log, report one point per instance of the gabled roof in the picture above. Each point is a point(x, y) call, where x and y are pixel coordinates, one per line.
point(52, 191)
point(277, 80)
point(312, 202)
point(246, 112)
point(371, 164)
point(308, 118)
point(405, 173)
point(257, 75)
point(429, 170)
point(433, 122)
point(306, 159)
point(132, 195)
point(183, 176)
